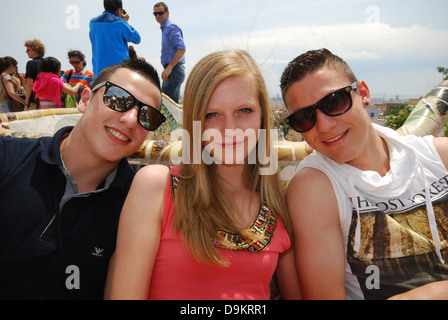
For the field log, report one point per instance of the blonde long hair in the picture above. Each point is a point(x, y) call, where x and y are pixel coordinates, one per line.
point(202, 205)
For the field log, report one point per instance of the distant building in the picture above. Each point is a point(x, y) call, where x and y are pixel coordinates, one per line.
point(414, 102)
point(384, 107)
point(373, 112)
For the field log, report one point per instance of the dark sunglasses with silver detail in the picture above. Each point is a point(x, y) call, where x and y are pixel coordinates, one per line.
point(334, 104)
point(120, 100)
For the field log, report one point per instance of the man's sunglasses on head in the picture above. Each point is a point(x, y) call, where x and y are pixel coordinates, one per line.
point(120, 100)
point(334, 104)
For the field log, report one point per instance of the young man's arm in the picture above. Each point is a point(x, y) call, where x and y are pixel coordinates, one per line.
point(30, 76)
point(166, 73)
point(318, 245)
point(131, 34)
point(441, 145)
point(176, 38)
point(28, 89)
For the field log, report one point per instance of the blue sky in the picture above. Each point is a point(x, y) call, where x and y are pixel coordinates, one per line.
point(394, 45)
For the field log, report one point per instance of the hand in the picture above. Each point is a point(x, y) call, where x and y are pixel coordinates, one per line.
point(166, 73)
point(125, 15)
point(79, 86)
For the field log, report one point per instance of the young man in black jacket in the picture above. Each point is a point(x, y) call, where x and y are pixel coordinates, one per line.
point(61, 197)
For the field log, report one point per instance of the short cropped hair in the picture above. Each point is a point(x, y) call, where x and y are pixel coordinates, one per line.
point(310, 62)
point(113, 5)
point(162, 4)
point(141, 67)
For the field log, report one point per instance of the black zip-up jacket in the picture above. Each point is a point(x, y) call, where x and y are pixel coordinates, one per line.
point(33, 264)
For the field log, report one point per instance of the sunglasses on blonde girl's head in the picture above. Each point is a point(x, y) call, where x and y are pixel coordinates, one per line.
point(334, 104)
point(120, 100)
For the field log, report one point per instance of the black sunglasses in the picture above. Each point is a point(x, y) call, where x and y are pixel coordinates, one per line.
point(160, 13)
point(334, 104)
point(118, 99)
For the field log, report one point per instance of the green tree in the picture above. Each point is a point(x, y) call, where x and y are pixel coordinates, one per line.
point(286, 127)
point(397, 115)
point(443, 71)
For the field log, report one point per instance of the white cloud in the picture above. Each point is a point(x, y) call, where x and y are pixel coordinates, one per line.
point(399, 53)
point(352, 41)
point(395, 59)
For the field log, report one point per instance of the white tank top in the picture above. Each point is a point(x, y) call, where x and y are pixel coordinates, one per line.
point(389, 230)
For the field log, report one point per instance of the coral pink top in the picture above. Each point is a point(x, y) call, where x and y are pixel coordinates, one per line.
point(178, 276)
point(48, 87)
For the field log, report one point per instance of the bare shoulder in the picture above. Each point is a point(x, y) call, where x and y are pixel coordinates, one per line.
point(147, 191)
point(318, 242)
point(441, 145)
point(151, 176)
point(309, 180)
point(310, 195)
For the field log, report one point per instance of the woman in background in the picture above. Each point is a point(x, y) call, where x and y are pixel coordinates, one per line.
point(10, 101)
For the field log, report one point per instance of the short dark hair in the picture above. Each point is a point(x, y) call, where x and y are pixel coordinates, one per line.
point(51, 64)
point(141, 67)
point(113, 5)
point(310, 62)
point(162, 4)
point(78, 54)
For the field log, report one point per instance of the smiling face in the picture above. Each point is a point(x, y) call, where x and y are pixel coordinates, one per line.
point(233, 120)
point(113, 135)
point(342, 138)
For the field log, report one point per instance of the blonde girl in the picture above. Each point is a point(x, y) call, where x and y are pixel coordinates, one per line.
point(204, 230)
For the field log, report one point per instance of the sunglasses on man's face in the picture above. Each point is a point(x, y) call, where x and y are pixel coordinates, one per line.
point(160, 13)
point(334, 104)
point(118, 99)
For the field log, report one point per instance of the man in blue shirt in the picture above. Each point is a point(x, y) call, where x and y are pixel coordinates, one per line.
point(173, 52)
point(61, 196)
point(109, 35)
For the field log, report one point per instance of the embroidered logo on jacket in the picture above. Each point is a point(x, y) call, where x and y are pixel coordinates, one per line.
point(98, 252)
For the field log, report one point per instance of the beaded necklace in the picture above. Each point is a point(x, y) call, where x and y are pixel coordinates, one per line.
point(260, 233)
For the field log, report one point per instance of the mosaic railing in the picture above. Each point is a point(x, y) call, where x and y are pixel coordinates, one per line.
point(427, 118)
